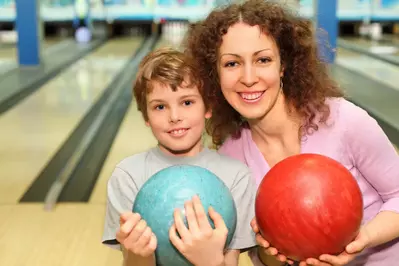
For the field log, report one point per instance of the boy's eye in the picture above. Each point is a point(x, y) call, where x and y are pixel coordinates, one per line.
point(159, 107)
point(187, 102)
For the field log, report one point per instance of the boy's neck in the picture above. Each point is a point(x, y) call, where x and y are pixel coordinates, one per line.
point(174, 159)
point(192, 152)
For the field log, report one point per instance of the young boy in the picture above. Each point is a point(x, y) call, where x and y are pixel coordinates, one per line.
point(170, 96)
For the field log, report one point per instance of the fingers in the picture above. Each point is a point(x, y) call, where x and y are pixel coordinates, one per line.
point(144, 239)
point(217, 220)
point(254, 225)
point(135, 234)
point(271, 251)
point(261, 241)
point(148, 243)
point(125, 216)
point(127, 227)
point(342, 259)
point(314, 262)
point(191, 217)
point(152, 245)
point(175, 239)
point(179, 225)
point(290, 262)
point(281, 257)
point(200, 214)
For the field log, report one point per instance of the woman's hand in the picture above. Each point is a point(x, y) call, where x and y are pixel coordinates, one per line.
point(352, 250)
point(266, 245)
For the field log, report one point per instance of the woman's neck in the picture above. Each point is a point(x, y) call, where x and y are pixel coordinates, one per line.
point(279, 126)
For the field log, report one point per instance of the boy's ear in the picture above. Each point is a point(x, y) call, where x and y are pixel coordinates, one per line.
point(147, 123)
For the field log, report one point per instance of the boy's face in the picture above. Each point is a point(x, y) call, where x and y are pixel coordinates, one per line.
point(177, 118)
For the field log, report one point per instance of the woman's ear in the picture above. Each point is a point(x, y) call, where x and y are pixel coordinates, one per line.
point(208, 114)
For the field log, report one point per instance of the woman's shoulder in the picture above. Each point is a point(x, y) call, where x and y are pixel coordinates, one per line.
point(346, 113)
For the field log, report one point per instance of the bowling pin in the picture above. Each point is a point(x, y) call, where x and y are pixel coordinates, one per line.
point(376, 31)
point(364, 30)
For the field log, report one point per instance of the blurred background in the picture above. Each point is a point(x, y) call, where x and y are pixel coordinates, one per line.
point(67, 118)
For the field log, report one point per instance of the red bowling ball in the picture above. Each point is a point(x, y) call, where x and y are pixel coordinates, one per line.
point(308, 205)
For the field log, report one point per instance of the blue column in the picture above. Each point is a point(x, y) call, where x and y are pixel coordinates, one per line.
point(326, 20)
point(29, 28)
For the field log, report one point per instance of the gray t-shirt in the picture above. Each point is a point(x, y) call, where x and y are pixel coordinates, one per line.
point(131, 173)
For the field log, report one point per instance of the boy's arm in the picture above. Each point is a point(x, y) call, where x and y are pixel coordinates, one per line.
point(131, 259)
point(231, 257)
point(121, 191)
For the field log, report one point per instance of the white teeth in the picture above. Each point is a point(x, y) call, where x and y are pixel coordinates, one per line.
point(251, 96)
point(178, 132)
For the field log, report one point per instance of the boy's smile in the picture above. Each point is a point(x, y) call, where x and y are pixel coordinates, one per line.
point(178, 132)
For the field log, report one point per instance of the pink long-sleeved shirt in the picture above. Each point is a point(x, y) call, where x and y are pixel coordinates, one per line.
point(355, 140)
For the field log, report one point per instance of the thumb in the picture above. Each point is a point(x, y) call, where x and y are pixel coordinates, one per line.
point(356, 246)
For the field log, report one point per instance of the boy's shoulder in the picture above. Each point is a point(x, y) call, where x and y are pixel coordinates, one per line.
point(226, 167)
point(132, 162)
point(137, 168)
point(224, 160)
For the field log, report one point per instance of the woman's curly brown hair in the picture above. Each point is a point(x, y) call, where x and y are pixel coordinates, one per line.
point(306, 82)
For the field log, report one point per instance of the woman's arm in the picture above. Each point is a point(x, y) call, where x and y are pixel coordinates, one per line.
point(377, 160)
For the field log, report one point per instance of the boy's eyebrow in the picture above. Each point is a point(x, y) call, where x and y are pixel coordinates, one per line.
point(155, 101)
point(190, 96)
point(181, 98)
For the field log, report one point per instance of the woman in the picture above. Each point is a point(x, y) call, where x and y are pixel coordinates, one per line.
point(272, 98)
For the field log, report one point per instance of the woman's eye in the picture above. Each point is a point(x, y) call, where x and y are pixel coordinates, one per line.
point(230, 64)
point(264, 60)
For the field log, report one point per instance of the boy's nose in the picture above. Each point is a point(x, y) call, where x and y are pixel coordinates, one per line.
point(175, 116)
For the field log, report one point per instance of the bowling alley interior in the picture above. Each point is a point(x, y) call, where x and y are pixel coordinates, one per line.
point(68, 116)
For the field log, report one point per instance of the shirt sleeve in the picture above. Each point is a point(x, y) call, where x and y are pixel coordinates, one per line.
point(244, 192)
point(121, 192)
point(374, 156)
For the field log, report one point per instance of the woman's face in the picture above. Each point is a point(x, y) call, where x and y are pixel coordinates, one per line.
point(250, 70)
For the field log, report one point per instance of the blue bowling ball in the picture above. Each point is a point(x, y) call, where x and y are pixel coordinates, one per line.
point(169, 189)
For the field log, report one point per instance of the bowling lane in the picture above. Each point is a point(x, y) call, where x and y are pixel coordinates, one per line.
point(32, 132)
point(8, 52)
point(389, 45)
point(132, 137)
point(378, 70)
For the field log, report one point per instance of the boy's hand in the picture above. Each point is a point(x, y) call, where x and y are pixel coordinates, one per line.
point(200, 243)
point(135, 235)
